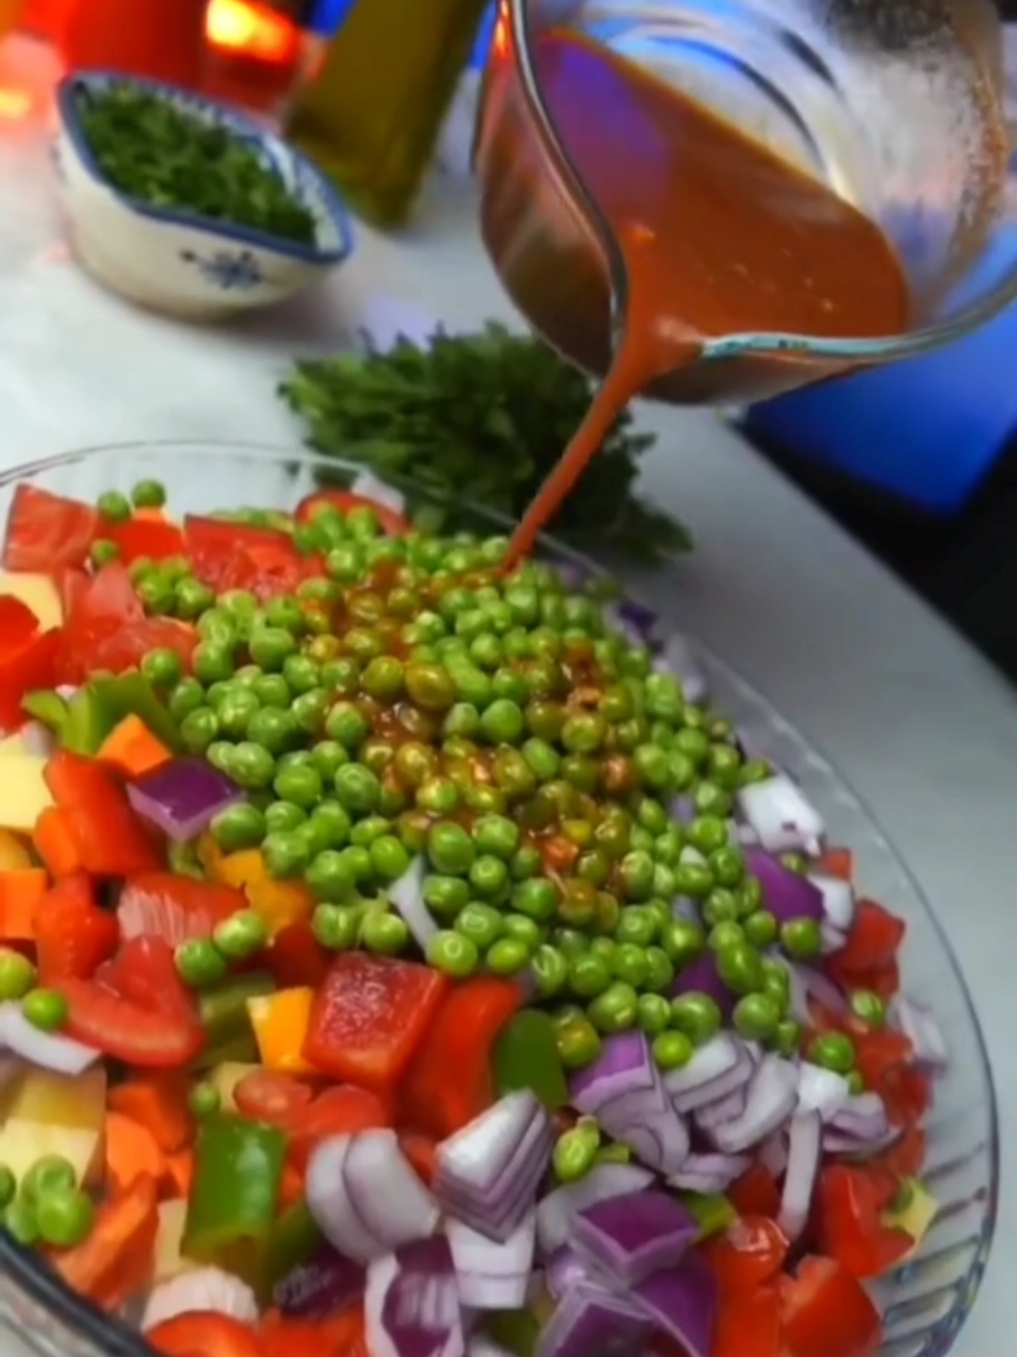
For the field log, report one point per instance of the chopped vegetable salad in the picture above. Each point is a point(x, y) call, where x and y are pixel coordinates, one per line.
point(399, 957)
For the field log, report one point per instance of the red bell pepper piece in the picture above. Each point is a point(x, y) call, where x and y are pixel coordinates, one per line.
point(340, 1335)
point(850, 1206)
point(73, 936)
point(879, 1050)
point(369, 1017)
point(748, 1324)
point(205, 1333)
point(175, 908)
point(339, 1111)
point(144, 537)
point(126, 1031)
point(144, 972)
point(33, 665)
point(449, 1080)
point(755, 1193)
point(826, 1312)
point(906, 1156)
point(296, 958)
point(46, 532)
point(748, 1253)
point(392, 523)
point(906, 1092)
point(18, 624)
point(875, 937)
point(274, 1098)
point(227, 555)
point(108, 835)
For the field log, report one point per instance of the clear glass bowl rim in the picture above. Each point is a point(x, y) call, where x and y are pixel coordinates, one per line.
point(112, 1337)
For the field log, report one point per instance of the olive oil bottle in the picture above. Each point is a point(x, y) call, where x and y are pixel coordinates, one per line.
point(371, 116)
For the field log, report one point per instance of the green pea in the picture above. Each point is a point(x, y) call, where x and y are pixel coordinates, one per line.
point(146, 495)
point(694, 879)
point(450, 849)
point(199, 729)
point(8, 1187)
point(521, 929)
point(241, 935)
point(480, 923)
point(801, 939)
point(696, 1015)
point(583, 732)
point(740, 967)
point(526, 863)
point(750, 894)
point(833, 1051)
point(787, 1040)
point(761, 929)
point(616, 1009)
point(579, 1042)
point(389, 858)
point(357, 789)
point(204, 1101)
point(20, 1221)
point(577, 907)
point(270, 647)
point(659, 971)
point(575, 1152)
point(725, 935)
point(489, 876)
point(720, 906)
point(383, 933)
point(328, 756)
point(551, 971)
point(635, 875)
point(653, 1014)
point(286, 854)
point(212, 662)
point(282, 817)
point(199, 963)
point(65, 1217)
point(507, 956)
point(235, 711)
point(162, 667)
point(51, 1173)
point(45, 1009)
point(103, 551)
point(300, 785)
point(683, 941)
point(629, 964)
point(795, 862)
point(337, 927)
point(637, 924)
point(272, 691)
point(17, 975)
point(347, 725)
point(708, 833)
point(503, 722)
point(869, 1007)
point(430, 686)
point(452, 953)
point(238, 827)
point(445, 896)
point(672, 1050)
point(114, 507)
point(571, 942)
point(301, 673)
point(251, 766)
point(330, 877)
point(496, 835)
point(191, 598)
point(728, 866)
point(186, 697)
point(589, 975)
point(756, 1017)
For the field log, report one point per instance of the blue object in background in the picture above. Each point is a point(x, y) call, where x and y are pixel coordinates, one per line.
point(926, 430)
point(327, 15)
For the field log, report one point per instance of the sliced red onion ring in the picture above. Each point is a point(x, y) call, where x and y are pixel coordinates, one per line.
point(557, 1211)
point(47, 1050)
point(492, 1275)
point(709, 1173)
point(624, 1067)
point(680, 659)
point(826, 992)
point(724, 1109)
point(838, 900)
point(773, 1096)
point(780, 815)
point(407, 897)
point(821, 1090)
point(716, 1068)
point(920, 1027)
point(804, 1153)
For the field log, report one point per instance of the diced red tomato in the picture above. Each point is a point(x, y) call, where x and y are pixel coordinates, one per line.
point(878, 1050)
point(906, 1092)
point(748, 1324)
point(46, 532)
point(265, 1095)
point(126, 1031)
point(106, 628)
point(73, 936)
point(18, 624)
point(204, 1333)
point(33, 665)
point(849, 1215)
point(137, 538)
point(175, 908)
point(144, 972)
point(296, 958)
point(340, 1335)
point(339, 1111)
point(826, 1312)
point(755, 1193)
point(882, 980)
point(108, 835)
point(838, 862)
point(873, 941)
point(392, 523)
point(228, 555)
point(749, 1252)
point(369, 1017)
point(906, 1156)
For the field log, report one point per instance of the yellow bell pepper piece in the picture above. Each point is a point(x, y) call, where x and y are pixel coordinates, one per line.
point(14, 854)
point(915, 1214)
point(278, 903)
point(280, 1024)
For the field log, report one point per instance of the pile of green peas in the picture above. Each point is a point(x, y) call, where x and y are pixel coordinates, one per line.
point(410, 701)
point(45, 1009)
point(48, 1206)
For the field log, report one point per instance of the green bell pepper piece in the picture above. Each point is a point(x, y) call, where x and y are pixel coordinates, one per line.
point(223, 1010)
point(293, 1240)
point(712, 1212)
point(48, 707)
point(525, 1056)
point(132, 695)
point(242, 1050)
point(87, 724)
point(238, 1168)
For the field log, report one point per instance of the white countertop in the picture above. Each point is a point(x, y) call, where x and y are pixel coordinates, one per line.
point(921, 727)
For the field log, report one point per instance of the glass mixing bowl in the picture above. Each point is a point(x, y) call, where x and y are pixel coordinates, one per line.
point(927, 1300)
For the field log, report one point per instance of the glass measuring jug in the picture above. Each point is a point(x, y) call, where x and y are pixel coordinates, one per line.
point(894, 105)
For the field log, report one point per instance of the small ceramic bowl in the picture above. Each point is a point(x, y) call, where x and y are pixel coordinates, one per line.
point(177, 262)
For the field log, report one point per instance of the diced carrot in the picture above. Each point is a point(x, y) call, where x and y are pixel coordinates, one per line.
point(181, 1172)
point(420, 1151)
point(838, 862)
point(131, 1153)
point(54, 841)
point(132, 749)
point(114, 1261)
point(20, 892)
point(159, 1103)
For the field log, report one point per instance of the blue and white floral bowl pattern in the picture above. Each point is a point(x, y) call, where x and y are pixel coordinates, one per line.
point(176, 262)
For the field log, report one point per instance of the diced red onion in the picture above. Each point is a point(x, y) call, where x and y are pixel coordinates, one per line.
point(365, 1197)
point(557, 1211)
point(683, 1302)
point(709, 1173)
point(826, 992)
point(630, 1237)
point(786, 894)
point(680, 659)
point(780, 815)
point(206, 1289)
point(920, 1027)
point(716, 1068)
point(832, 938)
point(862, 1115)
point(591, 1321)
point(47, 1050)
point(487, 1173)
point(369, 486)
point(804, 1152)
point(773, 1095)
point(702, 977)
point(624, 1067)
point(722, 1109)
point(491, 1275)
point(321, 1286)
point(182, 797)
point(851, 1147)
point(838, 900)
point(660, 1140)
point(567, 1269)
point(821, 1090)
point(411, 1303)
point(407, 897)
